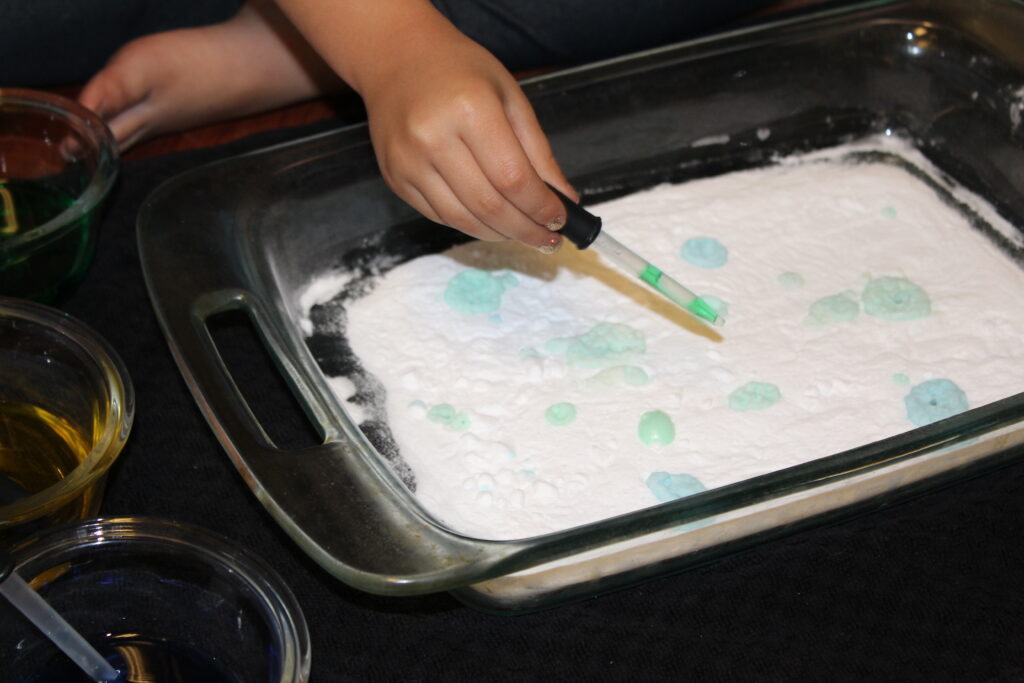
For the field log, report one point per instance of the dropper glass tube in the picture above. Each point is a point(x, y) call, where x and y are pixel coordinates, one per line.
point(625, 258)
point(584, 230)
point(52, 624)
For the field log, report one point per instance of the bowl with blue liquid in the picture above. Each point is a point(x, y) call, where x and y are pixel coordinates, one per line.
point(163, 602)
point(58, 162)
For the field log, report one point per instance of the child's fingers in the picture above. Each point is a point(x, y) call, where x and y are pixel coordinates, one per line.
point(535, 143)
point(431, 195)
point(511, 176)
point(111, 96)
point(473, 186)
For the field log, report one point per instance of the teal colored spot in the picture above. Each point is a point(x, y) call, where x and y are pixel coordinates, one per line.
point(900, 378)
point(656, 428)
point(704, 252)
point(895, 299)
point(603, 344)
point(560, 414)
point(445, 414)
point(889, 212)
point(718, 305)
point(495, 318)
point(668, 487)
point(934, 400)
point(621, 374)
point(529, 352)
point(634, 376)
point(838, 308)
point(790, 280)
point(477, 291)
point(754, 396)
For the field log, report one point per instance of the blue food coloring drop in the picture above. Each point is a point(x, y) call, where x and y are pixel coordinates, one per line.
point(445, 414)
point(619, 375)
point(667, 487)
point(604, 344)
point(704, 252)
point(934, 400)
point(895, 299)
point(790, 280)
point(477, 291)
point(754, 396)
point(838, 308)
point(560, 414)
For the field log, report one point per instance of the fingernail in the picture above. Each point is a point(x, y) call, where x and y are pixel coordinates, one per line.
point(556, 224)
point(551, 246)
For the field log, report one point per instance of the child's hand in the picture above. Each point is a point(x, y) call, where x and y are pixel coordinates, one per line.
point(456, 138)
point(454, 134)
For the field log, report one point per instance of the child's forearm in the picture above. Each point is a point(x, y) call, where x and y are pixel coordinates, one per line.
point(364, 41)
point(453, 133)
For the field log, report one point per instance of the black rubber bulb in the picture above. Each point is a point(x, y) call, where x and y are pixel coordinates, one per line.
point(581, 226)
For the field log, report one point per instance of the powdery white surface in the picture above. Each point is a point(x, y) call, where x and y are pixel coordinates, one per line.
point(511, 474)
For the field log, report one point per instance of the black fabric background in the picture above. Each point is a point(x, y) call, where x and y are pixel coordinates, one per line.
point(926, 590)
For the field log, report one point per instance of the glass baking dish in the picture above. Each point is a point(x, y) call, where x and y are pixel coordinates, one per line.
point(247, 235)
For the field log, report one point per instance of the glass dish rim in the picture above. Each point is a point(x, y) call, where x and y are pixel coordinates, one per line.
point(281, 607)
point(96, 131)
point(503, 557)
point(119, 417)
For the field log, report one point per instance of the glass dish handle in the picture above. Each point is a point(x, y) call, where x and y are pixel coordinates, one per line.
point(341, 507)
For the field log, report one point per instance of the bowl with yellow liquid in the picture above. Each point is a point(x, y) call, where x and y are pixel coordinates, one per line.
point(66, 408)
point(58, 161)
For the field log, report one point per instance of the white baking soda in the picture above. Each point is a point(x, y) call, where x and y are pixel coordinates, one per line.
point(532, 393)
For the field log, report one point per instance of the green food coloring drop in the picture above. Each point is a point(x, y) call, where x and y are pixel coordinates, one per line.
point(477, 291)
point(445, 414)
point(718, 305)
point(895, 299)
point(934, 400)
point(604, 344)
point(900, 378)
point(620, 374)
point(838, 308)
point(790, 280)
point(668, 487)
point(754, 396)
point(889, 212)
point(560, 414)
point(656, 428)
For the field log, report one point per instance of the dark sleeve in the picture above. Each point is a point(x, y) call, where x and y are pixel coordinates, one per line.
point(524, 34)
point(63, 42)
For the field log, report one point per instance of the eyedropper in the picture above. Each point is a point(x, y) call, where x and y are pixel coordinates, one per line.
point(51, 623)
point(584, 230)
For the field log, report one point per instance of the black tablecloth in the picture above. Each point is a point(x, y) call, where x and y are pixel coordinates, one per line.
point(925, 590)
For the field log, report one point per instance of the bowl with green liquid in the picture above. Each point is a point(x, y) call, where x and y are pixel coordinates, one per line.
point(66, 408)
point(58, 161)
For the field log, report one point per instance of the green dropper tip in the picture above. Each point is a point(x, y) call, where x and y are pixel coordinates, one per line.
point(702, 309)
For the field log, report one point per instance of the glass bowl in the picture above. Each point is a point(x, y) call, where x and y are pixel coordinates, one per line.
point(163, 601)
point(58, 161)
point(66, 408)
